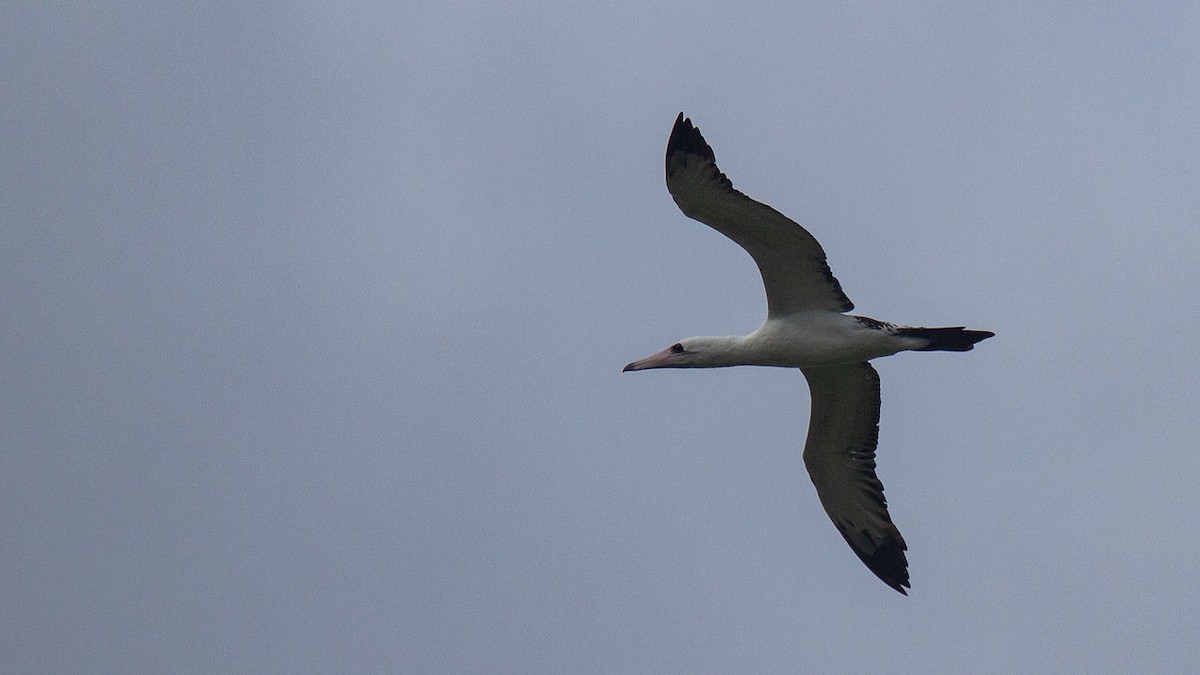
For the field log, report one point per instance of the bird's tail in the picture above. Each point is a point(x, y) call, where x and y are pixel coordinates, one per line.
point(946, 339)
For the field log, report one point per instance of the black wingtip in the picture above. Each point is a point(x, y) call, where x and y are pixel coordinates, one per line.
point(686, 140)
point(891, 566)
point(887, 562)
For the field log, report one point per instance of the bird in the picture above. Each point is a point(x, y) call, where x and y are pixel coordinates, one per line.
point(807, 327)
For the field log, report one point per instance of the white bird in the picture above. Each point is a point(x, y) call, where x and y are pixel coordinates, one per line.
point(807, 328)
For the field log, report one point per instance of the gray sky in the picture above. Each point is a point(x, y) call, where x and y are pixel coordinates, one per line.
point(314, 317)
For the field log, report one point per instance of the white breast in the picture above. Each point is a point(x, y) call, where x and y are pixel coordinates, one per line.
point(817, 338)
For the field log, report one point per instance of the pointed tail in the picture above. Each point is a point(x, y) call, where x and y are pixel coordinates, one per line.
point(947, 339)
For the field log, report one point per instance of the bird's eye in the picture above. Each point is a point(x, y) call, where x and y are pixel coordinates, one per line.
point(677, 348)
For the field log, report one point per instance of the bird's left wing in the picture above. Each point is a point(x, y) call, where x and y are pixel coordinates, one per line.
point(843, 431)
point(795, 275)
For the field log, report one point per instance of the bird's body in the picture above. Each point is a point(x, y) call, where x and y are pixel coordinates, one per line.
point(807, 328)
point(801, 340)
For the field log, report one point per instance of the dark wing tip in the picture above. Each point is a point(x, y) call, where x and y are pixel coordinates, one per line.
point(887, 561)
point(686, 140)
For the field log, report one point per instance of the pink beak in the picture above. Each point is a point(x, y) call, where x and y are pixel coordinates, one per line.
point(659, 360)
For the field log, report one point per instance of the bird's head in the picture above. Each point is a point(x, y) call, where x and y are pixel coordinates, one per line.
point(693, 352)
point(675, 356)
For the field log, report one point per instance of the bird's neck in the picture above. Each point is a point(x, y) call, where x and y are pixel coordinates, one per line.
point(719, 351)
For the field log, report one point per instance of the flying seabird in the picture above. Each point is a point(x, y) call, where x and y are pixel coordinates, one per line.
point(807, 327)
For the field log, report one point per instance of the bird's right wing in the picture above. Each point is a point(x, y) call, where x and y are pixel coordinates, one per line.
point(843, 431)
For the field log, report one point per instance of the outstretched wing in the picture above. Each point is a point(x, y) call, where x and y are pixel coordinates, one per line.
point(843, 431)
point(794, 271)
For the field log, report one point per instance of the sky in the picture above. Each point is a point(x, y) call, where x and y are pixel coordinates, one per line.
point(314, 317)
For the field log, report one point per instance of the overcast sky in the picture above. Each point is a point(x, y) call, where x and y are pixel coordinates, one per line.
point(312, 321)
